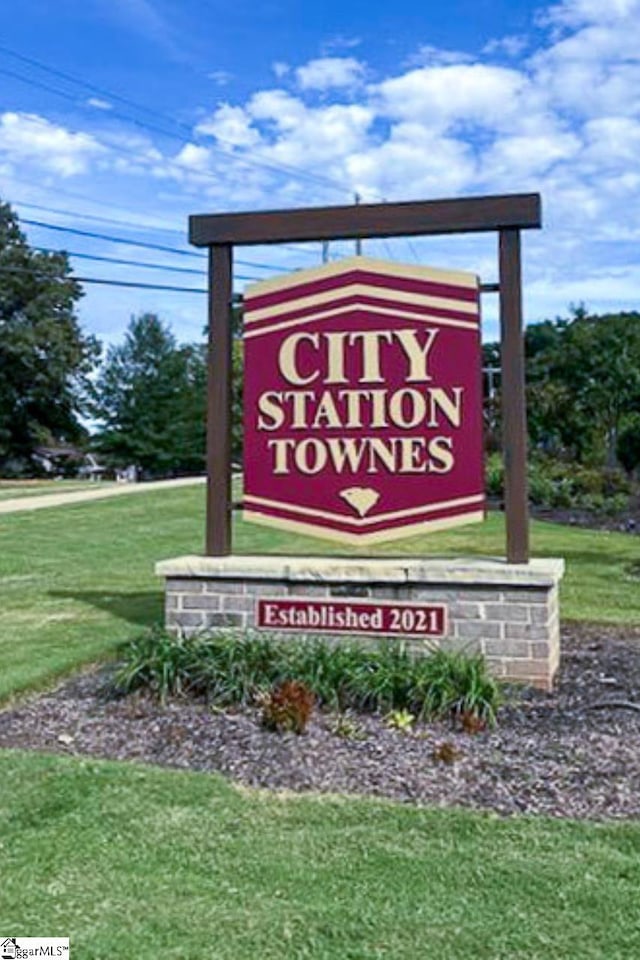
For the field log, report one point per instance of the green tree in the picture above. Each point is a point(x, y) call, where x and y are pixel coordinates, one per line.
point(151, 397)
point(45, 359)
point(583, 383)
point(584, 380)
point(628, 448)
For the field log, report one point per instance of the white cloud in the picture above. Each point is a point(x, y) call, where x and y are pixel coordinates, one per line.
point(147, 19)
point(340, 42)
point(194, 157)
point(565, 121)
point(522, 157)
point(99, 103)
point(220, 77)
point(511, 46)
point(278, 107)
point(612, 142)
point(327, 73)
point(459, 93)
point(231, 126)
point(576, 13)
point(412, 163)
point(280, 69)
point(592, 69)
point(309, 136)
point(428, 55)
point(31, 139)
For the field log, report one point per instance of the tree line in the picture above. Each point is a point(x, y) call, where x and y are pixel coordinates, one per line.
point(143, 401)
point(583, 388)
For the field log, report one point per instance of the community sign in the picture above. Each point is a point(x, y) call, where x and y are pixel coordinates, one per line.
point(362, 401)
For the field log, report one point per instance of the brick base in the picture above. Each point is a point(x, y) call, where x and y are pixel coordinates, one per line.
point(509, 613)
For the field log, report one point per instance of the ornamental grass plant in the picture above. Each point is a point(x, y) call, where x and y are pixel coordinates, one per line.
point(231, 669)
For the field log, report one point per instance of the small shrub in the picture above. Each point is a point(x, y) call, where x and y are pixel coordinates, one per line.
point(557, 483)
point(230, 669)
point(594, 502)
point(348, 728)
point(456, 683)
point(541, 487)
point(615, 504)
point(494, 475)
point(156, 661)
point(472, 723)
point(287, 708)
point(402, 720)
point(446, 752)
point(554, 483)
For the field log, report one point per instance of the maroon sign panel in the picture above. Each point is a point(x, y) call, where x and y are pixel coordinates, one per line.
point(362, 401)
point(368, 617)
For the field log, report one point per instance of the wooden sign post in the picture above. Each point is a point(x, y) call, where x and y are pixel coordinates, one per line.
point(362, 423)
point(507, 215)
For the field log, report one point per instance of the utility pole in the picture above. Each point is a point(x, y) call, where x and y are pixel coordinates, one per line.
point(325, 251)
point(356, 200)
point(491, 373)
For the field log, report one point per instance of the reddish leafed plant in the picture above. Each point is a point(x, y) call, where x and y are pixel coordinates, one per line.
point(287, 707)
point(472, 723)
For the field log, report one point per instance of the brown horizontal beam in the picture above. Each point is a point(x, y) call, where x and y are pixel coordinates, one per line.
point(464, 215)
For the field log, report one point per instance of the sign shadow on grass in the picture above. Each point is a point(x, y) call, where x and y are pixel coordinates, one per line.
point(143, 608)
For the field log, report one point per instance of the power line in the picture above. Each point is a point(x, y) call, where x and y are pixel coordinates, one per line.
point(412, 250)
point(103, 92)
point(104, 236)
point(113, 283)
point(74, 214)
point(80, 196)
point(90, 216)
point(147, 246)
point(251, 160)
point(145, 286)
point(84, 83)
point(110, 283)
point(128, 263)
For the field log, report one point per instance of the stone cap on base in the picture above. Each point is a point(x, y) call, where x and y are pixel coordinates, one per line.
point(542, 572)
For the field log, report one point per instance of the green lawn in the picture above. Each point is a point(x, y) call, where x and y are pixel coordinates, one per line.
point(76, 580)
point(131, 861)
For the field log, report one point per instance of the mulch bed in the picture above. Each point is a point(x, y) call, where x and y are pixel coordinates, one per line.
point(562, 755)
point(625, 521)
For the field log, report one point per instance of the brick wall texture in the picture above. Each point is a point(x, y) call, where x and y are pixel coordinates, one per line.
point(516, 628)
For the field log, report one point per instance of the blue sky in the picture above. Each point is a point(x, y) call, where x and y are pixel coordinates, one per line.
point(153, 109)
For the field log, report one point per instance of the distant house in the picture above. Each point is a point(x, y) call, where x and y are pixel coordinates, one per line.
point(55, 460)
point(62, 460)
point(127, 474)
point(91, 469)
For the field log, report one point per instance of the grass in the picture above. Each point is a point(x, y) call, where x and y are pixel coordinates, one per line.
point(128, 860)
point(77, 580)
point(134, 861)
